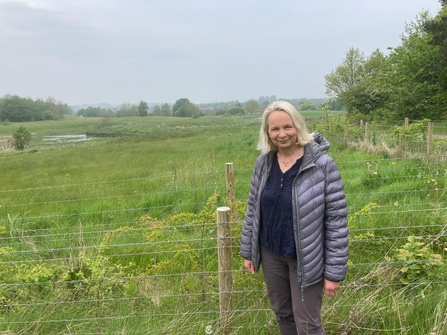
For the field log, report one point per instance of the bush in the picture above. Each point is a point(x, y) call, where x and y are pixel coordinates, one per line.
point(418, 262)
point(235, 110)
point(21, 138)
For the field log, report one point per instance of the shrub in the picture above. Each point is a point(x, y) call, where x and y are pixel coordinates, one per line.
point(21, 138)
point(419, 262)
point(414, 130)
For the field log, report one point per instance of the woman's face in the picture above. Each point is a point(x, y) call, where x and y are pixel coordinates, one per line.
point(281, 130)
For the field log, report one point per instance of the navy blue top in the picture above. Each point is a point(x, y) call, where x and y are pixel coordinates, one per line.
point(276, 232)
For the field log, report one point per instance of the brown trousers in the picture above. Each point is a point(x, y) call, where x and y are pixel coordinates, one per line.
point(298, 312)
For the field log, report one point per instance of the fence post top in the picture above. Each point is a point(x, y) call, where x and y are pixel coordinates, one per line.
point(223, 209)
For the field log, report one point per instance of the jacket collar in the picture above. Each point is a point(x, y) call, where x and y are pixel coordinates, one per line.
point(313, 150)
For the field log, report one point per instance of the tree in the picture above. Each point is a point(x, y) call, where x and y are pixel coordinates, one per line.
point(251, 106)
point(91, 112)
point(126, 109)
point(21, 138)
point(308, 106)
point(262, 99)
point(355, 83)
point(370, 92)
point(263, 105)
point(410, 82)
point(17, 109)
point(156, 111)
point(57, 108)
point(437, 27)
point(166, 110)
point(235, 110)
point(414, 78)
point(188, 110)
point(142, 108)
point(346, 75)
point(179, 104)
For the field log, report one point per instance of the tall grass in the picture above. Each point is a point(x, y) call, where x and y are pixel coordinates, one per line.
point(117, 235)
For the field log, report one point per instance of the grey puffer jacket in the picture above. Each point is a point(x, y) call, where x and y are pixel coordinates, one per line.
point(319, 215)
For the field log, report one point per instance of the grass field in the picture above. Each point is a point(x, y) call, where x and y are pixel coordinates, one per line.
point(117, 235)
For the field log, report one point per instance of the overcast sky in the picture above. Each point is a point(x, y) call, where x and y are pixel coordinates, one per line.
point(116, 51)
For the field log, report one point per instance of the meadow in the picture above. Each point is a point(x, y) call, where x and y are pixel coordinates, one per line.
point(117, 235)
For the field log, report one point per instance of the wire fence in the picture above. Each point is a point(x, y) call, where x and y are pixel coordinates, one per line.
point(107, 261)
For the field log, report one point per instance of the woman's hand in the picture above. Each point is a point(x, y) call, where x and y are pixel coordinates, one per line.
point(250, 266)
point(331, 287)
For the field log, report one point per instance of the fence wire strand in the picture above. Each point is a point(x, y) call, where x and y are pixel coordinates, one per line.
point(102, 237)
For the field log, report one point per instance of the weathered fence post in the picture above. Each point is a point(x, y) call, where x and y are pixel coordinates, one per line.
point(367, 132)
point(225, 277)
point(401, 139)
point(231, 193)
point(430, 138)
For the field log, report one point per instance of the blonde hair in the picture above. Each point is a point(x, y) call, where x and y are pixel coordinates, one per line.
point(303, 136)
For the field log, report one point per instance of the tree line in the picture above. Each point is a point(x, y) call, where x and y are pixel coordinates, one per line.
point(17, 109)
point(183, 107)
point(410, 81)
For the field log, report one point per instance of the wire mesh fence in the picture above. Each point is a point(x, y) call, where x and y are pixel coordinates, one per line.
point(134, 254)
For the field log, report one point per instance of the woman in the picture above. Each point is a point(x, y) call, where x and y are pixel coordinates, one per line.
point(296, 221)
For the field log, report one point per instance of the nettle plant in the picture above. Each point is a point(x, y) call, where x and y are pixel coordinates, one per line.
point(418, 263)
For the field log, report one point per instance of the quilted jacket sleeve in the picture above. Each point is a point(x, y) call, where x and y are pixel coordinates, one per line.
point(336, 225)
point(251, 225)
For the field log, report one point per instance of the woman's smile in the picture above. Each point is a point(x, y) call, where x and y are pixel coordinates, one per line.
point(281, 130)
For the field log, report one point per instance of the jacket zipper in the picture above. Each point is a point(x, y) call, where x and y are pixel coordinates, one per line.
point(297, 227)
point(300, 273)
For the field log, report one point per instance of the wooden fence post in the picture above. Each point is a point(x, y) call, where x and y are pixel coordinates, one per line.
point(225, 276)
point(367, 132)
point(430, 138)
point(401, 140)
point(231, 193)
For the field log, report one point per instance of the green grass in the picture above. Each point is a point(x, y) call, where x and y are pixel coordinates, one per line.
point(118, 235)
